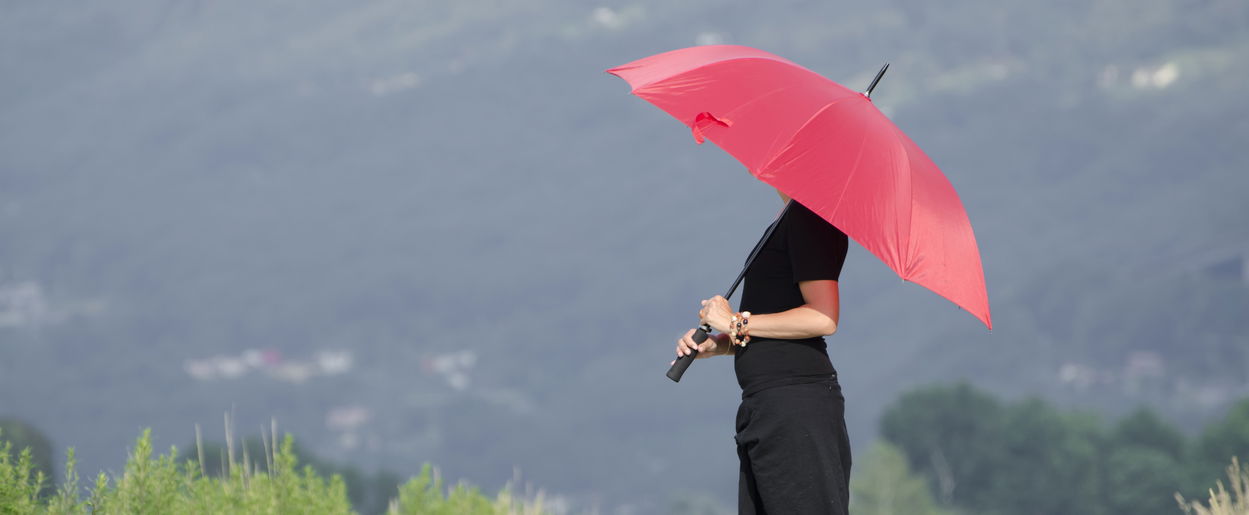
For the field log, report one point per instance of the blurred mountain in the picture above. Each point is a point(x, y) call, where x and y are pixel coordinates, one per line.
point(438, 231)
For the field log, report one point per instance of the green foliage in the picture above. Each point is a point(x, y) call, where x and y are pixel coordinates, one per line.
point(885, 485)
point(1145, 463)
point(423, 495)
point(952, 435)
point(67, 499)
point(1143, 428)
point(1226, 437)
point(166, 484)
point(369, 493)
point(1059, 454)
point(26, 436)
point(1141, 480)
point(158, 484)
point(1025, 457)
point(19, 482)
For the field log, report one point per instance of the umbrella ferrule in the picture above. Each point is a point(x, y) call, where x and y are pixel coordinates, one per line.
point(872, 86)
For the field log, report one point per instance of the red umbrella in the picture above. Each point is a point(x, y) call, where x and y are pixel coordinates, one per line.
point(829, 148)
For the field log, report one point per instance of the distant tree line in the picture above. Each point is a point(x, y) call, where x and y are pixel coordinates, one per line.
point(981, 455)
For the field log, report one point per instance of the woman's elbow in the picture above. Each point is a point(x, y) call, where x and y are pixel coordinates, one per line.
point(829, 327)
point(822, 320)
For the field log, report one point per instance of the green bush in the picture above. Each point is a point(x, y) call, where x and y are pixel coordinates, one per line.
point(19, 482)
point(423, 494)
point(369, 493)
point(164, 484)
point(22, 435)
point(158, 485)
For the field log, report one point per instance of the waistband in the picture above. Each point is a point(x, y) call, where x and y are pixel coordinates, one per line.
point(787, 381)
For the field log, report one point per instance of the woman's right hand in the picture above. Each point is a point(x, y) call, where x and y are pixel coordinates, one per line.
point(712, 346)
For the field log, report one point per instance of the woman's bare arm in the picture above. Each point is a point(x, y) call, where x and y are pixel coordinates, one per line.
point(818, 317)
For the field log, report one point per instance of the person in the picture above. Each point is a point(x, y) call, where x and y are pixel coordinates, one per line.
point(791, 432)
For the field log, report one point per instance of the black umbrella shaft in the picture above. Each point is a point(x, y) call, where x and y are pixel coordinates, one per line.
point(755, 251)
point(700, 335)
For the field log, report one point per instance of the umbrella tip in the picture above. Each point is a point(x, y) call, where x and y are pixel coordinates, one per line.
point(876, 80)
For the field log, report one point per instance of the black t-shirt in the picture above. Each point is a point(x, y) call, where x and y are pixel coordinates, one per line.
point(803, 247)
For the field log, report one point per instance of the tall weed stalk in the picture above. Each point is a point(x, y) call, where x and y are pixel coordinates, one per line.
point(1223, 502)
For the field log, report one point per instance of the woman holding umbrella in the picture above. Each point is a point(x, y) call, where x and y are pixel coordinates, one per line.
point(852, 173)
point(791, 431)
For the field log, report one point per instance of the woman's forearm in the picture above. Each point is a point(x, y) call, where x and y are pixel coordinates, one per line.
point(797, 323)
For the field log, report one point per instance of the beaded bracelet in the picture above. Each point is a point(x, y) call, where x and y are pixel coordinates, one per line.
point(739, 328)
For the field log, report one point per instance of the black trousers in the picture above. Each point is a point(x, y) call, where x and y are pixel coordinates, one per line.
point(794, 451)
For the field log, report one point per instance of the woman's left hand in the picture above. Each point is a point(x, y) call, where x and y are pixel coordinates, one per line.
point(716, 313)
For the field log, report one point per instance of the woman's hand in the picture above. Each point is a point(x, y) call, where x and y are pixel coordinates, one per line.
point(712, 346)
point(716, 313)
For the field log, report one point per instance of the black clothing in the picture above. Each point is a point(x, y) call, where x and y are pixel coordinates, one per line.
point(795, 456)
point(802, 248)
point(791, 430)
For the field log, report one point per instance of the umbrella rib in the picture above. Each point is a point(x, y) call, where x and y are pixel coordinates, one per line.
point(775, 156)
point(854, 170)
point(910, 219)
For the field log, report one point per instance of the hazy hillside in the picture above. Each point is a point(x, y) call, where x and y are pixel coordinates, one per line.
point(438, 231)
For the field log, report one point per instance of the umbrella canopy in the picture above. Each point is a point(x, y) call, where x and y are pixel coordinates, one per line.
point(829, 148)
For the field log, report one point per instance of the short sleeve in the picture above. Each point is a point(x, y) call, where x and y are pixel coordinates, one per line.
point(817, 249)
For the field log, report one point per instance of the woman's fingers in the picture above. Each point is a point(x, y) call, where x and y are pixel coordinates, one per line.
point(686, 343)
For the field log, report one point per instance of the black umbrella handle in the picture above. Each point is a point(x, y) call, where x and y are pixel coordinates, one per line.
point(678, 368)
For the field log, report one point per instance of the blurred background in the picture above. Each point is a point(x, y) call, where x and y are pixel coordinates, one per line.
point(416, 231)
